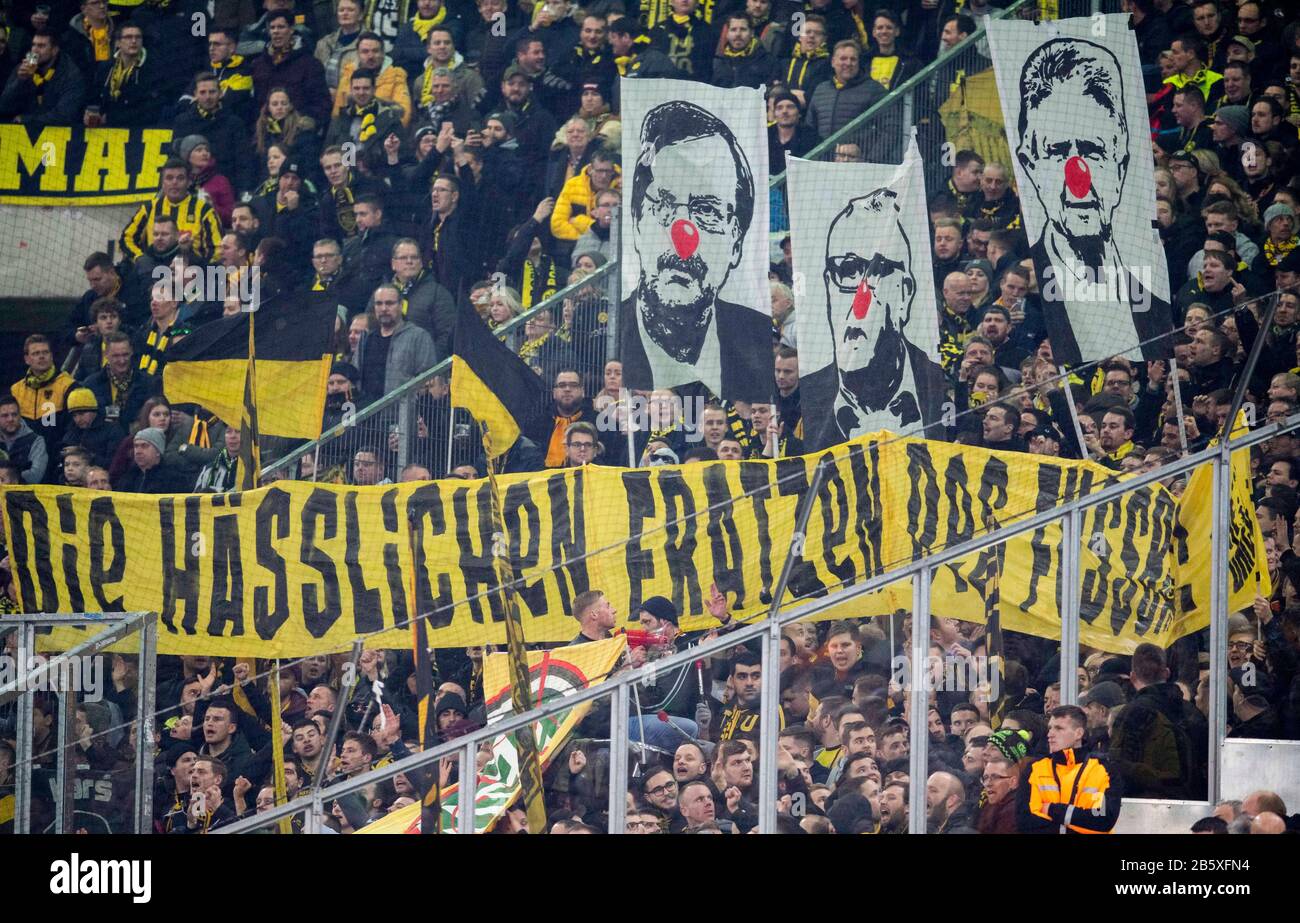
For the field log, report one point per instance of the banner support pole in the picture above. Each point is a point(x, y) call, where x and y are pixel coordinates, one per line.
point(1071, 536)
point(1178, 403)
point(919, 696)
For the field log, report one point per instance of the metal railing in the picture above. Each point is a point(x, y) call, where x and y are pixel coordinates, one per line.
point(920, 572)
point(116, 626)
point(1069, 512)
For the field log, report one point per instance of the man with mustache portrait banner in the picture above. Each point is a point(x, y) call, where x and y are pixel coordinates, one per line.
point(695, 240)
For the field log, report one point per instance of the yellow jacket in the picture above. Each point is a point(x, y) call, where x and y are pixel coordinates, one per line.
point(390, 87)
point(1069, 791)
point(572, 215)
point(32, 402)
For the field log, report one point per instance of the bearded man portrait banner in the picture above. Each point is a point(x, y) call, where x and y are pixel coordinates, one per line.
point(697, 305)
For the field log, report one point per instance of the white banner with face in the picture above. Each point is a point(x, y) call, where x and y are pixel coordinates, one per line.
point(865, 314)
point(1074, 106)
point(697, 304)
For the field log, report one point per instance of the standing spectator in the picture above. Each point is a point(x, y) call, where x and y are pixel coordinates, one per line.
point(42, 392)
point(788, 132)
point(442, 53)
point(46, 89)
point(412, 38)
point(589, 63)
point(206, 175)
point(742, 61)
point(686, 39)
point(888, 65)
point(88, 430)
point(337, 217)
point(197, 226)
point(809, 63)
point(390, 81)
point(847, 94)
point(119, 387)
point(1151, 740)
point(149, 472)
point(424, 301)
point(395, 352)
point(366, 118)
point(280, 125)
point(572, 216)
point(448, 240)
point(89, 39)
point(1072, 790)
point(234, 73)
point(341, 44)
point(599, 238)
point(126, 88)
point(292, 69)
point(208, 115)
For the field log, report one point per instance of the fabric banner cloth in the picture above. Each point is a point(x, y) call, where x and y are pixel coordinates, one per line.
point(553, 675)
point(1076, 117)
point(866, 320)
point(296, 568)
point(71, 165)
point(695, 239)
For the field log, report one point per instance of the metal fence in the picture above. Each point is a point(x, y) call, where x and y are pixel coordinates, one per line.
point(1078, 512)
point(618, 689)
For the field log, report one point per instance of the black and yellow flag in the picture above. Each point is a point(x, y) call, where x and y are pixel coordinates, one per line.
point(496, 386)
point(210, 366)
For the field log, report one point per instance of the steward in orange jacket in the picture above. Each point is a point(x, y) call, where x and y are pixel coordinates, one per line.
point(1071, 790)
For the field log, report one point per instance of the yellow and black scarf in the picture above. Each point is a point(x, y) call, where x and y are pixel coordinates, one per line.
point(1275, 253)
point(745, 52)
point(423, 26)
point(120, 73)
point(101, 41)
point(343, 201)
point(529, 280)
point(36, 382)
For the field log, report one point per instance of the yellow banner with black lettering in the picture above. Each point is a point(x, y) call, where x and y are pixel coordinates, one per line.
point(72, 165)
point(298, 568)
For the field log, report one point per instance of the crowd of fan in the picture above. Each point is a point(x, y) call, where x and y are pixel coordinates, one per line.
point(458, 157)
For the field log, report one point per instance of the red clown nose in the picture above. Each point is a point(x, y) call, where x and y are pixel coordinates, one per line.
point(686, 238)
point(862, 300)
point(1078, 178)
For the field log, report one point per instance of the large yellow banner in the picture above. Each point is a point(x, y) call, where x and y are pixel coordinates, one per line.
point(298, 568)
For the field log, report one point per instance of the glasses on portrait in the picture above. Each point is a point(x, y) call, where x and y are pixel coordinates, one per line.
point(706, 213)
point(990, 777)
point(583, 444)
point(662, 789)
